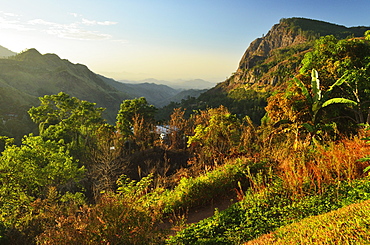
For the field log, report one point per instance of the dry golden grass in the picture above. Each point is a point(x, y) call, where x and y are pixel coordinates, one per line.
point(312, 168)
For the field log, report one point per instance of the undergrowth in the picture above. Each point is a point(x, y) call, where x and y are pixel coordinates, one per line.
point(264, 212)
point(198, 191)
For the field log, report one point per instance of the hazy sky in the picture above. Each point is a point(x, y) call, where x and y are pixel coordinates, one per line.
point(162, 39)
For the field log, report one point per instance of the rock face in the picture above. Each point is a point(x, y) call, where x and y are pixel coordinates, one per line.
point(278, 37)
point(261, 66)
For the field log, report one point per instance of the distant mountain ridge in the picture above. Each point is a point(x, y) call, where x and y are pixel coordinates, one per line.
point(177, 84)
point(157, 94)
point(36, 75)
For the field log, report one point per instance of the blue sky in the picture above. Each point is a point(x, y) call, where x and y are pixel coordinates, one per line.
point(162, 39)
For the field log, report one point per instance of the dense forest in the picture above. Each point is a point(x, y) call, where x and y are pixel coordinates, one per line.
point(288, 151)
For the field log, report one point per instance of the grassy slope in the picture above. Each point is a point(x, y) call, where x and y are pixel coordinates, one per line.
point(348, 225)
point(280, 203)
point(265, 212)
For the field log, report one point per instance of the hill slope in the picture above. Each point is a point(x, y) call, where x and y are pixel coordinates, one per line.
point(30, 75)
point(268, 63)
point(37, 75)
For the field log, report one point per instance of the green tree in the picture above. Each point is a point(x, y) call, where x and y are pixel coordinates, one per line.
point(131, 109)
point(367, 35)
point(217, 134)
point(27, 172)
point(61, 116)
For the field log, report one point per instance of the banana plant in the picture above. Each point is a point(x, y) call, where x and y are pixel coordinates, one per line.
point(319, 99)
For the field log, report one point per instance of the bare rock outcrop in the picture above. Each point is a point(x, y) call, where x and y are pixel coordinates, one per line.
point(279, 36)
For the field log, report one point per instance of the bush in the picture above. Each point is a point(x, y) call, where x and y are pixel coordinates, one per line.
point(127, 217)
point(198, 191)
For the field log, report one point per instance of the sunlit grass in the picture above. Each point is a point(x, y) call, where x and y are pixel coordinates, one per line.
point(348, 225)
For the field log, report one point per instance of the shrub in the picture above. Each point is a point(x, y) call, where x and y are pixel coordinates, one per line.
point(123, 218)
point(191, 192)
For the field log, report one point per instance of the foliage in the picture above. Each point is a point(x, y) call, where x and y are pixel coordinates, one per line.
point(262, 213)
point(219, 134)
point(64, 117)
point(106, 160)
point(191, 192)
point(123, 218)
point(241, 102)
point(313, 168)
point(345, 65)
point(28, 173)
point(130, 109)
point(313, 28)
point(318, 100)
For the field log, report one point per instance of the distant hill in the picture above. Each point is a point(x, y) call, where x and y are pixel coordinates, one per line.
point(194, 93)
point(177, 84)
point(4, 52)
point(36, 75)
point(157, 94)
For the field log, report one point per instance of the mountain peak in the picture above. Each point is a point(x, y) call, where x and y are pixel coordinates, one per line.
point(292, 31)
point(29, 54)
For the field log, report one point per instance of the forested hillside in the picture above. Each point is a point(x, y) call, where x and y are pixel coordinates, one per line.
point(26, 76)
point(283, 142)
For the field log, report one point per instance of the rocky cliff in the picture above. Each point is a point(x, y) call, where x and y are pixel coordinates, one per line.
point(278, 37)
point(272, 58)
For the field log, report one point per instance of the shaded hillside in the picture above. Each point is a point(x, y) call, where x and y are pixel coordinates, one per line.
point(154, 93)
point(29, 75)
point(184, 95)
point(37, 75)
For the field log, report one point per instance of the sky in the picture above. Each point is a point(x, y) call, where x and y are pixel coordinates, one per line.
point(161, 39)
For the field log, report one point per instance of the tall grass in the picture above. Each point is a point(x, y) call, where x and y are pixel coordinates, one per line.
point(312, 168)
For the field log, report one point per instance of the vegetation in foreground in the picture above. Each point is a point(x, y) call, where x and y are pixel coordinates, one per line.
point(79, 181)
